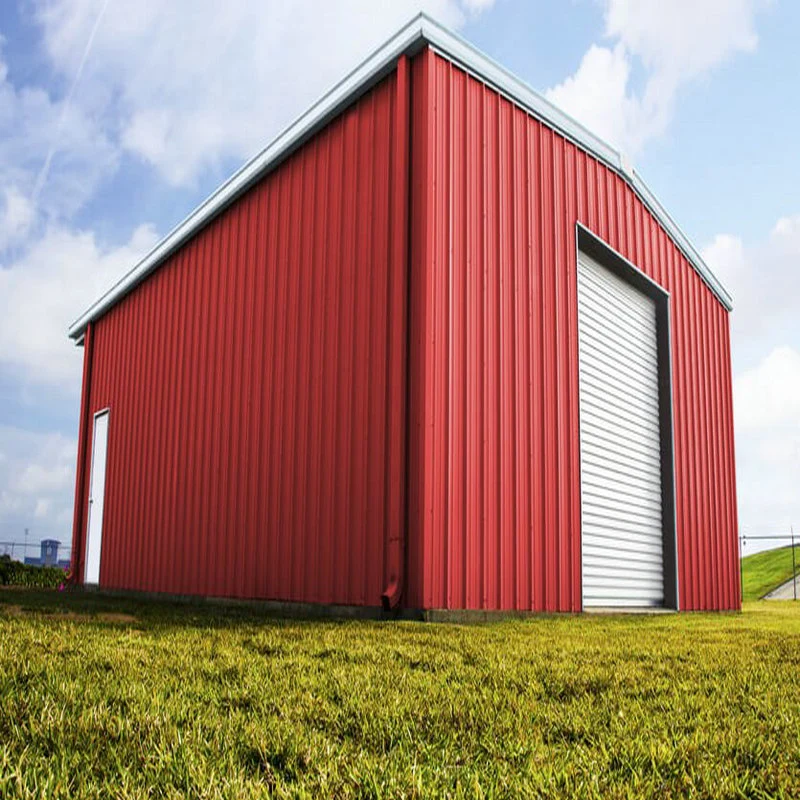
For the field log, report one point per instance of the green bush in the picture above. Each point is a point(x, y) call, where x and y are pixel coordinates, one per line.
point(15, 573)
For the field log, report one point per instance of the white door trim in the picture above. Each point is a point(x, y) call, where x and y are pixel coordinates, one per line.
point(93, 549)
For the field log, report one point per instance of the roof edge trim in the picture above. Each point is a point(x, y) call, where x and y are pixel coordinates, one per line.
point(418, 31)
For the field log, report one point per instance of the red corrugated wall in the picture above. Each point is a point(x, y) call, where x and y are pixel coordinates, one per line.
point(494, 490)
point(256, 382)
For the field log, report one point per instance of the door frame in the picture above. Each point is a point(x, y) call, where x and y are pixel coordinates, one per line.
point(90, 500)
point(596, 248)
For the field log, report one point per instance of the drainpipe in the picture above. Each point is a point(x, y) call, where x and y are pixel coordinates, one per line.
point(76, 560)
point(396, 474)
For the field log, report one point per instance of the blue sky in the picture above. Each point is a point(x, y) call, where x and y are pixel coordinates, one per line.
point(118, 117)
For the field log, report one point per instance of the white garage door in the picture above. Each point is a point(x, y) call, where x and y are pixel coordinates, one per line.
point(622, 557)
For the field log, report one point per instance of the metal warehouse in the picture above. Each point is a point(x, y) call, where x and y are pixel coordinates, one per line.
point(436, 347)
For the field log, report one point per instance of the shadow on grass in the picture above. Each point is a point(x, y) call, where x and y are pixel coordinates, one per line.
point(150, 612)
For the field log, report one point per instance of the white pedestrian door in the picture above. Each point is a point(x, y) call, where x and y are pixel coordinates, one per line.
point(97, 485)
point(622, 531)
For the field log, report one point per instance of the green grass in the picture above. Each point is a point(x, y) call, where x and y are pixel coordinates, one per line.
point(111, 698)
point(763, 572)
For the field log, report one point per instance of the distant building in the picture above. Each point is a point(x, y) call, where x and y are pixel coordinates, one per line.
point(48, 556)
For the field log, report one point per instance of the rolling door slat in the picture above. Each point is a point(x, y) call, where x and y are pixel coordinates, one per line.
point(622, 540)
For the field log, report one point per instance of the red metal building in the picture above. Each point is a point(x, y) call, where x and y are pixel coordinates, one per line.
point(436, 347)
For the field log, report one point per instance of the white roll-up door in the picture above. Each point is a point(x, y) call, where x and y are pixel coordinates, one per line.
point(622, 539)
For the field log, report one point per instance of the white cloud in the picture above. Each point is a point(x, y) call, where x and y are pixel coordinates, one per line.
point(32, 123)
point(47, 288)
point(192, 84)
point(675, 42)
point(767, 419)
point(16, 216)
point(37, 473)
point(768, 396)
point(764, 279)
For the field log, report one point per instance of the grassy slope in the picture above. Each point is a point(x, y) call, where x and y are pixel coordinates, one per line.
point(763, 572)
point(103, 698)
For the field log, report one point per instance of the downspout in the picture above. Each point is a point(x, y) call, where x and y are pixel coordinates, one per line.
point(76, 566)
point(397, 400)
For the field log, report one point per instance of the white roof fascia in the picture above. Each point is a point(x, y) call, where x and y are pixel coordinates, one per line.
point(421, 29)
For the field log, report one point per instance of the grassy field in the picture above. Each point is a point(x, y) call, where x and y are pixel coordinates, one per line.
point(763, 572)
point(109, 698)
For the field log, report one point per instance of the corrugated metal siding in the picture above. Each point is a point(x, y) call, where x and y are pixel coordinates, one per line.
point(495, 498)
point(255, 442)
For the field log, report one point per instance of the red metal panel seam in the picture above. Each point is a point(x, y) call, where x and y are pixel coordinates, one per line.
point(713, 531)
point(495, 376)
point(198, 580)
point(718, 580)
point(482, 368)
point(708, 538)
point(464, 244)
point(694, 445)
point(158, 563)
point(688, 503)
point(123, 412)
point(730, 551)
point(225, 421)
point(718, 476)
point(173, 524)
point(456, 336)
point(534, 389)
point(719, 459)
point(420, 164)
point(215, 476)
point(731, 439)
point(263, 356)
point(318, 467)
point(550, 355)
point(474, 335)
point(730, 555)
point(232, 400)
point(143, 496)
point(246, 540)
point(727, 465)
point(249, 546)
point(184, 445)
point(300, 495)
point(344, 448)
point(337, 161)
point(679, 394)
point(364, 340)
point(507, 371)
point(280, 266)
point(710, 559)
point(440, 344)
point(573, 427)
point(521, 364)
